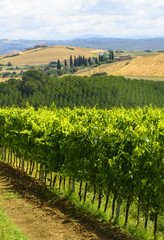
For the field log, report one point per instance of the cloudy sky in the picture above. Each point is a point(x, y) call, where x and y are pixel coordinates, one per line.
point(66, 19)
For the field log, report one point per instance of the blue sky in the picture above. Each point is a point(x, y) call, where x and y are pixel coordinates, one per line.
point(65, 19)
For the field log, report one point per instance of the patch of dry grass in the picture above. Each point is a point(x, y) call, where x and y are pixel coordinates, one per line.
point(147, 67)
point(45, 55)
point(109, 68)
point(152, 65)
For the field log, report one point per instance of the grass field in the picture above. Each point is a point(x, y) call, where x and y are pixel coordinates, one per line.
point(46, 55)
point(109, 68)
point(9, 231)
point(152, 65)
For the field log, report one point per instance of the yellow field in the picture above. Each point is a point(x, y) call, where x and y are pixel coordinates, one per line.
point(147, 67)
point(108, 68)
point(144, 66)
point(46, 55)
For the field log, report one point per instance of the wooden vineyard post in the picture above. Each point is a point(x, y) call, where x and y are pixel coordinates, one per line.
point(60, 181)
point(155, 224)
point(69, 184)
point(146, 217)
point(138, 211)
point(41, 174)
point(11, 157)
point(14, 160)
point(45, 177)
point(54, 181)
point(118, 208)
point(20, 160)
point(36, 170)
point(127, 211)
point(23, 163)
point(4, 154)
point(85, 192)
point(81, 182)
point(113, 206)
point(50, 179)
point(100, 197)
point(94, 196)
point(64, 182)
point(106, 203)
point(27, 166)
point(73, 187)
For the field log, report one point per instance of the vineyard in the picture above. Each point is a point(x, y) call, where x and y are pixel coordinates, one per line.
point(116, 154)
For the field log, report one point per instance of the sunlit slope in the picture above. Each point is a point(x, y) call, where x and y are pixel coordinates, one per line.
point(108, 68)
point(45, 55)
point(144, 66)
point(152, 65)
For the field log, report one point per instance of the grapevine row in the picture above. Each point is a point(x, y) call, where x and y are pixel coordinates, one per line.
point(118, 151)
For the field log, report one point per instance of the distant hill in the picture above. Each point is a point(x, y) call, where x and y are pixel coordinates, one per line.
point(45, 55)
point(152, 65)
point(10, 46)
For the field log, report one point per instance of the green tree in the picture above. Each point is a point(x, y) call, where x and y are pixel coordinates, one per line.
point(71, 62)
point(9, 64)
point(58, 64)
point(75, 61)
point(96, 61)
point(65, 63)
point(111, 55)
point(89, 61)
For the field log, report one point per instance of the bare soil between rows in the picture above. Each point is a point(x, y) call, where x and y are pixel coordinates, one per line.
point(43, 216)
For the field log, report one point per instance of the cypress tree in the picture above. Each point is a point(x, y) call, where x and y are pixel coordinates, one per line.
point(58, 64)
point(79, 61)
point(89, 61)
point(65, 63)
point(111, 55)
point(96, 61)
point(83, 60)
point(75, 61)
point(71, 62)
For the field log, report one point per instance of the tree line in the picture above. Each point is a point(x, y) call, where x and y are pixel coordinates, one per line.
point(102, 92)
point(82, 60)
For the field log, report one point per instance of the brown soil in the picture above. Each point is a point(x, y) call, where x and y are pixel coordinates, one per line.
point(44, 216)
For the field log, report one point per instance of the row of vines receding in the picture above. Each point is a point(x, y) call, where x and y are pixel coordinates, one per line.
point(117, 154)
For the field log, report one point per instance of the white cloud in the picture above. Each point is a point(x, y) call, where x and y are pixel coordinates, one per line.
point(51, 19)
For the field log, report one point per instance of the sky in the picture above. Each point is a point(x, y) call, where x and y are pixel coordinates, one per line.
point(68, 19)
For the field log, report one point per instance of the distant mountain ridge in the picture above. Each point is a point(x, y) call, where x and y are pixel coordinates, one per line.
point(10, 46)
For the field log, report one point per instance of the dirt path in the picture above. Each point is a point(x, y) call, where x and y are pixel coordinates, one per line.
point(46, 217)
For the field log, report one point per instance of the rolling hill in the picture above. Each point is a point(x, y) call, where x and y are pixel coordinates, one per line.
point(41, 56)
point(145, 66)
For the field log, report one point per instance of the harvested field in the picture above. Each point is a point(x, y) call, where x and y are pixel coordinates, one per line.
point(45, 55)
point(147, 67)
